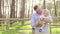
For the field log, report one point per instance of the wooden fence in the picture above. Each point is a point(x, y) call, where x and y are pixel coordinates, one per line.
point(25, 19)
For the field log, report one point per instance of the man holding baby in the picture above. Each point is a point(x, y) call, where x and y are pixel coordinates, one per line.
point(40, 20)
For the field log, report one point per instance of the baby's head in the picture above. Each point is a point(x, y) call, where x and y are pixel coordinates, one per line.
point(46, 13)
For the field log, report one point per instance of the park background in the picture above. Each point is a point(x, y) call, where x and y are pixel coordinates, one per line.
point(15, 15)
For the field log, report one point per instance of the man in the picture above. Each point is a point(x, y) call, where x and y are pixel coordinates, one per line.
point(35, 18)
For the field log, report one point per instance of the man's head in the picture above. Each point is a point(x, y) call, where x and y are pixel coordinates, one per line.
point(37, 9)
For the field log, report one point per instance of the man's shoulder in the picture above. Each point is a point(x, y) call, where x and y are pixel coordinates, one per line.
point(33, 14)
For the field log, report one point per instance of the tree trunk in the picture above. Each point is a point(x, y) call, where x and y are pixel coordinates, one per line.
point(44, 4)
point(0, 12)
point(55, 5)
point(12, 14)
point(22, 11)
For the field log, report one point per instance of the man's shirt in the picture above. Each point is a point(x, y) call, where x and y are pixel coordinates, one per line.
point(35, 18)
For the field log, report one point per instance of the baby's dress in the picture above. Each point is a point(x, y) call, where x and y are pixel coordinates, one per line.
point(42, 22)
point(42, 16)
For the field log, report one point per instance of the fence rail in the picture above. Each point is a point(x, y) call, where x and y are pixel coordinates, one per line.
point(14, 19)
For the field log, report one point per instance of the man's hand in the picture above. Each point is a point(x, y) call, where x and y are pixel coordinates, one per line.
point(38, 25)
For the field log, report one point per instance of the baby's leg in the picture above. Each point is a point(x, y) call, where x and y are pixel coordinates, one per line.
point(43, 25)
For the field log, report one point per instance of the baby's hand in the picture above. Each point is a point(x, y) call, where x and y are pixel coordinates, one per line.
point(41, 19)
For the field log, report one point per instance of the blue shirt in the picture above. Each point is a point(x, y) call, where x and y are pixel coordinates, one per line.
point(35, 18)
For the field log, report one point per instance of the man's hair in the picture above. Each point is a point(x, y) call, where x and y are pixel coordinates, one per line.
point(35, 7)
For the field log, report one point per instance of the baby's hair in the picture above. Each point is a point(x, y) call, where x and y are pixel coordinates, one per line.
point(46, 10)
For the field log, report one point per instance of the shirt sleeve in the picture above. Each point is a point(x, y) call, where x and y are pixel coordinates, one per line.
point(32, 21)
point(50, 18)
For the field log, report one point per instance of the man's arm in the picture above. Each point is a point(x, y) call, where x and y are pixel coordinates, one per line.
point(33, 22)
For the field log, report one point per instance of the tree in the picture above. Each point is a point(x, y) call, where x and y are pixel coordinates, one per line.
point(55, 5)
point(22, 10)
point(12, 13)
point(44, 4)
point(0, 12)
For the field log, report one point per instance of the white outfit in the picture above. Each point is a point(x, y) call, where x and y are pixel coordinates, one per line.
point(42, 22)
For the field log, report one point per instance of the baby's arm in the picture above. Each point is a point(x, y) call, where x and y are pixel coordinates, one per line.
point(44, 23)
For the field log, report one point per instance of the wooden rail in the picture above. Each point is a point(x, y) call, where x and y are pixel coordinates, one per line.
point(14, 19)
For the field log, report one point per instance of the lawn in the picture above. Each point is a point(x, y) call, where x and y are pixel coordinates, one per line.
point(16, 29)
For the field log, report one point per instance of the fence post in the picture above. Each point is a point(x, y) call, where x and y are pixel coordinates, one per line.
point(50, 29)
point(33, 30)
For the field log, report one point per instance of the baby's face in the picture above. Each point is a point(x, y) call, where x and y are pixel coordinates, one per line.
point(45, 13)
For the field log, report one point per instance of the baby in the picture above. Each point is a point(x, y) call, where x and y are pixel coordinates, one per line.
point(42, 17)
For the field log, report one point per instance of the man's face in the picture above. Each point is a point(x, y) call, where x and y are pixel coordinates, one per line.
point(38, 10)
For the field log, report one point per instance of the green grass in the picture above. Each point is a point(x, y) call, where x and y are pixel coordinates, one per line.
point(16, 29)
point(55, 30)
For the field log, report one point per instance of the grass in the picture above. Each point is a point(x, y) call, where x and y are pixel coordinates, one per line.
point(56, 31)
point(16, 29)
